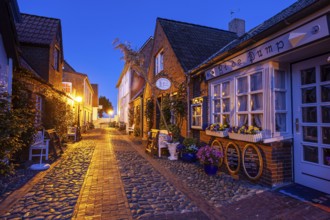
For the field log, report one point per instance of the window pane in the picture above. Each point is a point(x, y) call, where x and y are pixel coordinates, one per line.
point(226, 119)
point(280, 102)
point(308, 95)
point(216, 92)
point(217, 106)
point(256, 102)
point(325, 93)
point(279, 79)
point(308, 76)
point(242, 86)
point(257, 120)
point(216, 118)
point(326, 114)
point(325, 73)
point(242, 103)
point(256, 81)
point(226, 105)
point(309, 114)
point(225, 89)
point(326, 135)
point(242, 120)
point(311, 154)
point(326, 156)
point(310, 134)
point(280, 120)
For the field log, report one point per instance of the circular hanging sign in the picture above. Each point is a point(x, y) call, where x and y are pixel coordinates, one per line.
point(252, 161)
point(232, 158)
point(163, 84)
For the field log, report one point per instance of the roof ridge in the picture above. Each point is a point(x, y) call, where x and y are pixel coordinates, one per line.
point(40, 16)
point(197, 25)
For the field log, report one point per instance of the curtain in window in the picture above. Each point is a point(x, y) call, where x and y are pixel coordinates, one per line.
point(242, 85)
point(280, 101)
point(242, 103)
point(280, 120)
point(242, 120)
point(256, 81)
point(256, 102)
point(257, 120)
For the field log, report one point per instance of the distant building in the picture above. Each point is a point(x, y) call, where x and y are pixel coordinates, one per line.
point(95, 101)
point(80, 86)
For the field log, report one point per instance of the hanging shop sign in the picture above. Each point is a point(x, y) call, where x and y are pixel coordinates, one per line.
point(163, 84)
point(232, 158)
point(303, 35)
point(252, 161)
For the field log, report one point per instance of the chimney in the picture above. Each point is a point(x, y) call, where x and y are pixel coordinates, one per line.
point(237, 25)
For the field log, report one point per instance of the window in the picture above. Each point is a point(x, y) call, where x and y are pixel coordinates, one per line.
point(249, 100)
point(197, 113)
point(67, 87)
point(159, 62)
point(56, 59)
point(221, 103)
point(280, 90)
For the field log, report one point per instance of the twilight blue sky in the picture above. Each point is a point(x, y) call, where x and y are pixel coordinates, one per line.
point(89, 27)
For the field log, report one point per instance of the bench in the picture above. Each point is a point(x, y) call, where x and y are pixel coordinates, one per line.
point(131, 129)
point(41, 144)
point(55, 142)
point(157, 140)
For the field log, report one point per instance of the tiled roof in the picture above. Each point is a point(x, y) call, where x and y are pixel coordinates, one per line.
point(266, 25)
point(192, 44)
point(36, 29)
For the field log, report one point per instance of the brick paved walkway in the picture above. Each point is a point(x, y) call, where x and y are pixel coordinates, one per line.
point(117, 183)
point(102, 195)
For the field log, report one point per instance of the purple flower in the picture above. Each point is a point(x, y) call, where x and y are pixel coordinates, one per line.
point(209, 155)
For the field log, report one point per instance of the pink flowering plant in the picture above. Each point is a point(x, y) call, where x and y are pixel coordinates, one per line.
point(209, 155)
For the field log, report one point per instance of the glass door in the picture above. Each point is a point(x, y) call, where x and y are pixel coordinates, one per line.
point(311, 118)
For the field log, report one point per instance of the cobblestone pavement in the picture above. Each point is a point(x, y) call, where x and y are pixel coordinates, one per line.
point(118, 180)
point(54, 196)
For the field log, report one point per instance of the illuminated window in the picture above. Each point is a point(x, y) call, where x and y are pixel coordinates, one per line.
point(159, 62)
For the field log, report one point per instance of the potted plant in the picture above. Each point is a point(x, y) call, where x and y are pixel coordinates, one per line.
point(217, 129)
point(188, 150)
point(210, 158)
point(246, 133)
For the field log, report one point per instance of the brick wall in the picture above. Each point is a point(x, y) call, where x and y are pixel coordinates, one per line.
point(172, 67)
point(277, 160)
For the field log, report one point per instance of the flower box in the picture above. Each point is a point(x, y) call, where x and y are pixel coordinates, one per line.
point(217, 133)
point(246, 137)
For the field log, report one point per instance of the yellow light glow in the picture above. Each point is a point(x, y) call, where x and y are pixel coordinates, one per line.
point(110, 112)
point(78, 98)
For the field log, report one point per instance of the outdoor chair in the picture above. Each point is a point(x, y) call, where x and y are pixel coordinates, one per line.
point(41, 145)
point(72, 132)
point(162, 141)
point(131, 129)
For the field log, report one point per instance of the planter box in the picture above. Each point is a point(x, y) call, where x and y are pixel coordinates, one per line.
point(246, 137)
point(217, 133)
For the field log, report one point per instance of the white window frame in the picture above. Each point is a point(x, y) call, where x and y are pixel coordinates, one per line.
point(67, 85)
point(159, 62)
point(268, 106)
point(249, 112)
point(197, 102)
point(221, 98)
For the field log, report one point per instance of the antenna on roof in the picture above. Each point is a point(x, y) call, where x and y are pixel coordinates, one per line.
point(232, 12)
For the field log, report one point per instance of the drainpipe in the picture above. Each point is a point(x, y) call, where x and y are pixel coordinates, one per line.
point(188, 106)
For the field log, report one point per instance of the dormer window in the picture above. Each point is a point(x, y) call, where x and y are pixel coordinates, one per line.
point(57, 59)
point(159, 62)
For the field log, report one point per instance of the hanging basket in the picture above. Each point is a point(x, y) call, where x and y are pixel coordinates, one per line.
point(246, 137)
point(223, 133)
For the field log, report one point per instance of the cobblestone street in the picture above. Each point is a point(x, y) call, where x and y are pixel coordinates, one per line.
point(108, 175)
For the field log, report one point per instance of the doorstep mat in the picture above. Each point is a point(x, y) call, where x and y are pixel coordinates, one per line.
point(307, 194)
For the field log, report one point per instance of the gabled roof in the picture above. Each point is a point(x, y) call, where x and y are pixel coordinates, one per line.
point(273, 24)
point(37, 29)
point(191, 43)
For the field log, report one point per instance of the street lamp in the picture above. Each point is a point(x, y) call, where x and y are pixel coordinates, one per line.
point(78, 99)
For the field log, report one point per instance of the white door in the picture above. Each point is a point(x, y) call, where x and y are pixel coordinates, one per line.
point(311, 122)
